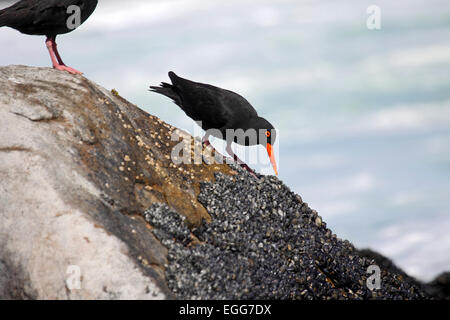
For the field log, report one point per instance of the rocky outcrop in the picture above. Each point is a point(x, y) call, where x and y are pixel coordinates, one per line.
point(264, 242)
point(438, 288)
point(92, 207)
point(77, 166)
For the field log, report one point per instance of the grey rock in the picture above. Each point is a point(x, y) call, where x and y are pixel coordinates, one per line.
point(78, 166)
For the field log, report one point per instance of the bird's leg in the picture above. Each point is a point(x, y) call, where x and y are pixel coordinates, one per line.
point(239, 161)
point(206, 142)
point(56, 58)
point(55, 50)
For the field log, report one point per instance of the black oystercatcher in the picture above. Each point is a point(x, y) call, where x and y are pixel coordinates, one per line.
point(48, 18)
point(222, 110)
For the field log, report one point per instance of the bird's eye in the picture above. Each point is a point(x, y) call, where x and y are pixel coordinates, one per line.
point(267, 134)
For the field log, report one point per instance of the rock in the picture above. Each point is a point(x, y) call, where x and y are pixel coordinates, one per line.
point(318, 221)
point(386, 264)
point(249, 253)
point(439, 288)
point(92, 207)
point(64, 201)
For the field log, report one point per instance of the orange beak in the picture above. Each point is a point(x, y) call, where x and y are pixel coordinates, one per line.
point(272, 157)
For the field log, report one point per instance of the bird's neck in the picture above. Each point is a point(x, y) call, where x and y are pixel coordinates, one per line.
point(246, 124)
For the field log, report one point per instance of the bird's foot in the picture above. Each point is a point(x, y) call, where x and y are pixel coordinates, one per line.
point(247, 168)
point(224, 159)
point(66, 68)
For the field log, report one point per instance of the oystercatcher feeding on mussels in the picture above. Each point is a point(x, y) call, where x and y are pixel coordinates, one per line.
point(220, 109)
point(49, 18)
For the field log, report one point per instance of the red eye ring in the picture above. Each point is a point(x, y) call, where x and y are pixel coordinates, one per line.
point(267, 134)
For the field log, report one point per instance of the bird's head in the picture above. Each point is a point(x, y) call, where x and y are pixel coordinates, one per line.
point(257, 131)
point(267, 136)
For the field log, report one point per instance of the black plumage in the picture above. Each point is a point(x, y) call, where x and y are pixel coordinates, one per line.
point(49, 18)
point(220, 109)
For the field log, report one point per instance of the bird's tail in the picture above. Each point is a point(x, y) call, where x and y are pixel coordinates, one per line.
point(166, 89)
point(173, 76)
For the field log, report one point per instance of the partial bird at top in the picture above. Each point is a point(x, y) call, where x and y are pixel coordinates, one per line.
point(48, 18)
point(221, 110)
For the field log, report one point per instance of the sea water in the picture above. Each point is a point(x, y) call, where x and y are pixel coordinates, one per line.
point(363, 113)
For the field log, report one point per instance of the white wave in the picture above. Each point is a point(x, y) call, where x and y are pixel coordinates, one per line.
point(420, 57)
point(391, 120)
point(331, 209)
point(343, 187)
point(420, 247)
point(407, 117)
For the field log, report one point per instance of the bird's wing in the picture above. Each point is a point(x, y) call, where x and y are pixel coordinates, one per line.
point(204, 103)
point(20, 13)
point(215, 107)
point(55, 9)
point(28, 12)
point(35, 12)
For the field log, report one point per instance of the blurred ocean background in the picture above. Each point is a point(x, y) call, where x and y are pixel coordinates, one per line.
point(363, 115)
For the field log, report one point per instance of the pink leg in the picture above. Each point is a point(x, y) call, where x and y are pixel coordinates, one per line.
point(206, 142)
point(55, 50)
point(239, 161)
point(56, 58)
